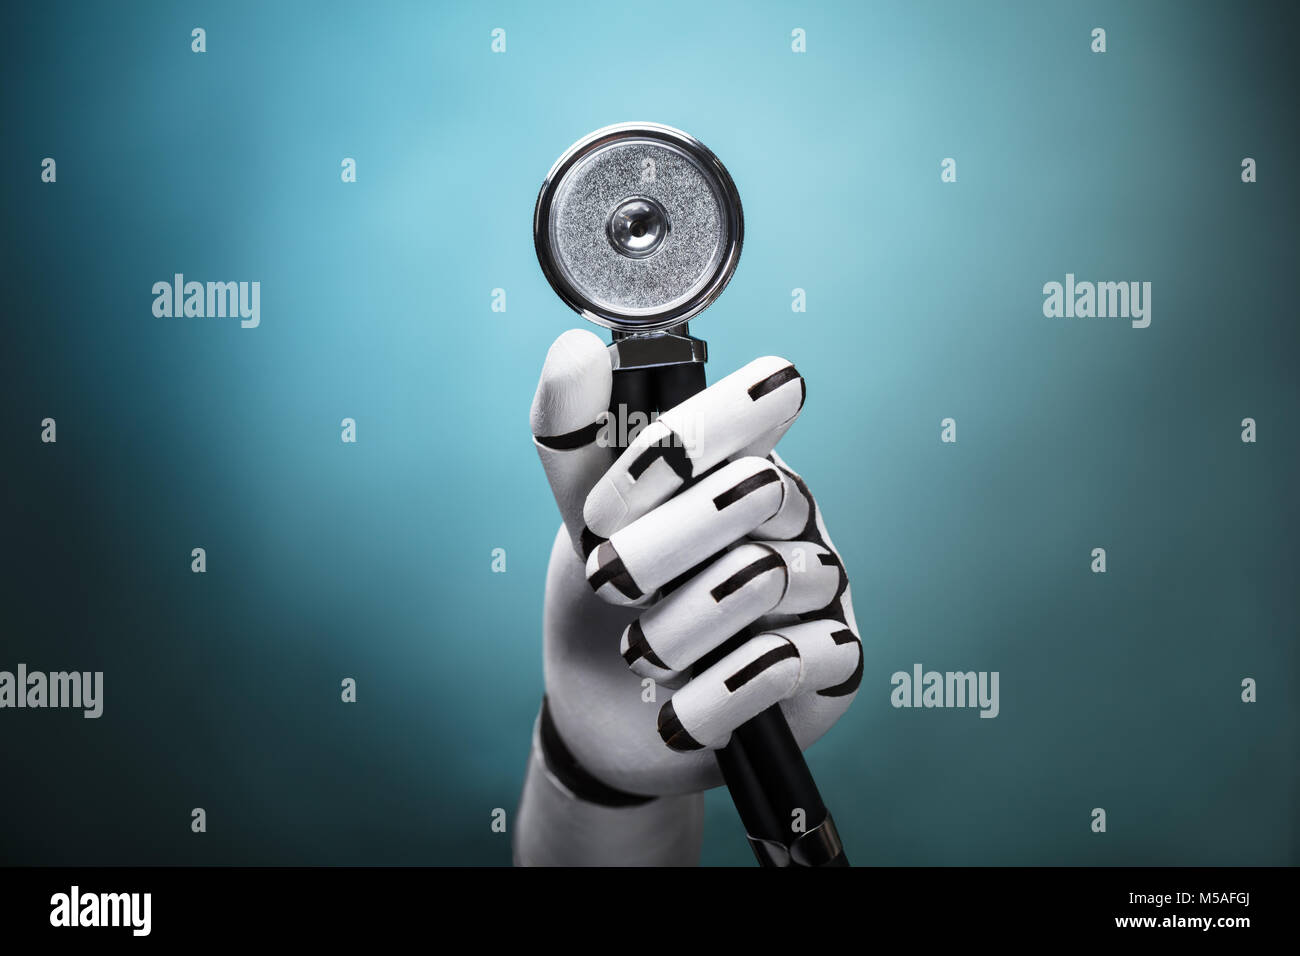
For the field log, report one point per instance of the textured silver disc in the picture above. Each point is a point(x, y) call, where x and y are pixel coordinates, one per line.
point(638, 227)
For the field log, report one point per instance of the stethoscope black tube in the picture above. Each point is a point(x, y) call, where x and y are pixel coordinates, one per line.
point(762, 765)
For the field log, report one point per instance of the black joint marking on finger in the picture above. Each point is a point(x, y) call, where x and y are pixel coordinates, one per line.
point(589, 541)
point(844, 582)
point(638, 647)
point(844, 636)
point(760, 664)
point(832, 612)
point(834, 609)
point(721, 651)
point(773, 382)
point(672, 731)
point(850, 685)
point(610, 570)
point(810, 532)
point(751, 484)
point(746, 574)
point(567, 442)
point(671, 449)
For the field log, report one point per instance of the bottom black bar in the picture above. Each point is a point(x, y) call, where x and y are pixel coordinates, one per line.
point(1173, 905)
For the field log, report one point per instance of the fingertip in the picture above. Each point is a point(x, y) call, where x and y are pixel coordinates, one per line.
point(574, 387)
point(766, 365)
point(640, 656)
point(673, 733)
point(609, 578)
point(770, 373)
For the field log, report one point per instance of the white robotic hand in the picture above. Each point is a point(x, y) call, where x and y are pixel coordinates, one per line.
point(764, 559)
point(692, 586)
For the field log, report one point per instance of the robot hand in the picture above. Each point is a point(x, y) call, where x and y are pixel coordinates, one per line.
point(642, 685)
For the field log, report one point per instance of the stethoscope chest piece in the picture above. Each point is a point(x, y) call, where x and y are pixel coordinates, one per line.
point(638, 227)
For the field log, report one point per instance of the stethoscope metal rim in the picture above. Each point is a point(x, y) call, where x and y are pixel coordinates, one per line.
point(732, 212)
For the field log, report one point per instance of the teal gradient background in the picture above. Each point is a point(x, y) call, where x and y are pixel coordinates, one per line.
point(372, 560)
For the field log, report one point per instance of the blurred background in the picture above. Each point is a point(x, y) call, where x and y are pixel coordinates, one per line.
point(373, 560)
